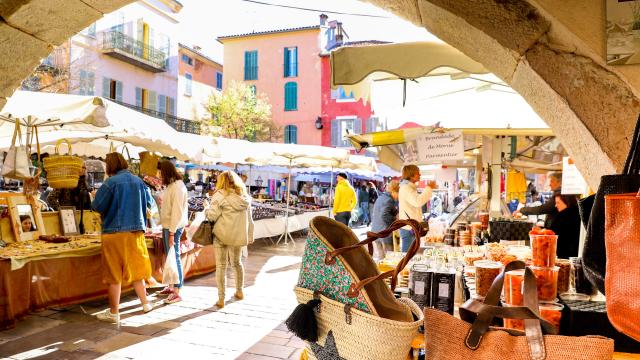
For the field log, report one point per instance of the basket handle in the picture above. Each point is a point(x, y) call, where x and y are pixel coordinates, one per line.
point(59, 143)
point(124, 147)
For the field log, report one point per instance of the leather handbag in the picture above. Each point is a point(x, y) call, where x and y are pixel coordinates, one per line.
point(204, 234)
point(473, 338)
point(622, 226)
point(594, 253)
point(16, 162)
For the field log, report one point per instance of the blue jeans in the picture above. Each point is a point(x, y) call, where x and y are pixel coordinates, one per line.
point(406, 239)
point(175, 250)
point(365, 213)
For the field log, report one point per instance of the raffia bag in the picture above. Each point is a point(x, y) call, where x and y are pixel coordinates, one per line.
point(622, 234)
point(63, 171)
point(449, 338)
point(149, 163)
point(346, 310)
point(355, 334)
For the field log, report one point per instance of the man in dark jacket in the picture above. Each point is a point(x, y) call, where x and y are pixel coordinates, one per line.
point(549, 207)
point(385, 212)
point(363, 203)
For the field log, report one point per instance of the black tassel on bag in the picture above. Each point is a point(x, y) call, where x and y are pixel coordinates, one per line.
point(302, 321)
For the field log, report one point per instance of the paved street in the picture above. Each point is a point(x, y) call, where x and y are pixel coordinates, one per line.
point(247, 329)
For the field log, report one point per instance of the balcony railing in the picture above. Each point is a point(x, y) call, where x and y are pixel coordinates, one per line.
point(180, 124)
point(135, 52)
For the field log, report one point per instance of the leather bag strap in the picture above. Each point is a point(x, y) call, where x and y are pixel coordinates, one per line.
point(529, 313)
point(632, 164)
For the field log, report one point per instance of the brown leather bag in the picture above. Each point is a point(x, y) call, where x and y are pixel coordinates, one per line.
point(449, 338)
point(622, 283)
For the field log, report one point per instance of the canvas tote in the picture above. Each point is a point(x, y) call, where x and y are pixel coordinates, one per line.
point(16, 163)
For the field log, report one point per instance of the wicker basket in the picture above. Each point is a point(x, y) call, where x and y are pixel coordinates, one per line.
point(63, 171)
point(362, 336)
point(149, 163)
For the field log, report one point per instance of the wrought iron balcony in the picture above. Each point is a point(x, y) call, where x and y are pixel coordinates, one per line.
point(132, 51)
point(180, 124)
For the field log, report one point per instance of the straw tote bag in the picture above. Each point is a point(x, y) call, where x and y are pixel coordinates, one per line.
point(346, 310)
point(149, 163)
point(449, 338)
point(16, 163)
point(594, 253)
point(622, 233)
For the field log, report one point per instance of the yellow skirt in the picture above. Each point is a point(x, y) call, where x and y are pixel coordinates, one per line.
point(125, 258)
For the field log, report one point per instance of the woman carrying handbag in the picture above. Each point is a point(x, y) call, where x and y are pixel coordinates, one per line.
point(230, 211)
point(173, 216)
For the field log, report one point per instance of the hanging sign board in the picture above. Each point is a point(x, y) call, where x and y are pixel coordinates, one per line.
point(572, 181)
point(438, 147)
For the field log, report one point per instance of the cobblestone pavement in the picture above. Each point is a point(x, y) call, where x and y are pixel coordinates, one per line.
point(250, 329)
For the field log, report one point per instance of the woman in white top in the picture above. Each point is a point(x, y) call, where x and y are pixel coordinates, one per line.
point(173, 216)
point(411, 202)
point(230, 211)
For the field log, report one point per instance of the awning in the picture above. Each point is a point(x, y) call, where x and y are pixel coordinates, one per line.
point(355, 68)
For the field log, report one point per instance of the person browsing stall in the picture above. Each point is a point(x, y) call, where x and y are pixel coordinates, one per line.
point(548, 208)
point(122, 202)
point(173, 216)
point(345, 200)
point(566, 224)
point(411, 202)
point(385, 212)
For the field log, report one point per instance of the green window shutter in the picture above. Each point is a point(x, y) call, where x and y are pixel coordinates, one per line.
point(138, 97)
point(255, 65)
point(153, 100)
point(286, 62)
point(119, 91)
point(106, 87)
point(91, 81)
point(162, 103)
point(291, 96)
point(294, 134)
point(286, 134)
point(246, 65)
point(336, 137)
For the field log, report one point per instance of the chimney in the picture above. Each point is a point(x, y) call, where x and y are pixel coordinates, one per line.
point(323, 19)
point(196, 48)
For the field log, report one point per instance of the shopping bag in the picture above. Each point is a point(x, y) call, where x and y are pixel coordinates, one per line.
point(204, 234)
point(594, 253)
point(170, 271)
point(450, 338)
point(16, 162)
point(622, 284)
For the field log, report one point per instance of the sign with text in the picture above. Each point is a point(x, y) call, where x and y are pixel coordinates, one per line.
point(438, 147)
point(572, 181)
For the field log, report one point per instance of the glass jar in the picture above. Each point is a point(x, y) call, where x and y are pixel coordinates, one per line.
point(547, 281)
point(486, 272)
point(543, 250)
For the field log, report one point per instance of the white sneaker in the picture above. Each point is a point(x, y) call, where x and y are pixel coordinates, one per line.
point(107, 316)
point(147, 307)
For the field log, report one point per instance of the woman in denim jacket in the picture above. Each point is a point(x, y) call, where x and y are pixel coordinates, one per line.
point(122, 202)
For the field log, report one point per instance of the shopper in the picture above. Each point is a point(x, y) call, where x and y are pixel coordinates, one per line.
point(363, 203)
point(549, 207)
point(344, 201)
point(230, 211)
point(122, 202)
point(173, 216)
point(411, 202)
point(373, 196)
point(385, 212)
point(566, 224)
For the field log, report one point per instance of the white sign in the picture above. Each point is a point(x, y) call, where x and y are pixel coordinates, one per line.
point(437, 147)
point(572, 181)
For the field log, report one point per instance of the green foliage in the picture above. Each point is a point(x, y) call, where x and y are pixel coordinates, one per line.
point(241, 114)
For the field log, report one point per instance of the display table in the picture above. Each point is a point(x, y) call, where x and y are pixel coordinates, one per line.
point(275, 227)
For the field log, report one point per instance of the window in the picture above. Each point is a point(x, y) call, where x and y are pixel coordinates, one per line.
point(372, 125)
point(188, 83)
point(142, 98)
point(291, 96)
point(112, 89)
point(187, 60)
point(219, 80)
point(341, 127)
point(254, 90)
point(291, 62)
point(162, 104)
point(86, 83)
point(251, 65)
point(340, 95)
point(118, 28)
point(290, 134)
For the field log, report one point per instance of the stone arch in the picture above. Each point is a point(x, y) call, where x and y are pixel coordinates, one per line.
point(550, 52)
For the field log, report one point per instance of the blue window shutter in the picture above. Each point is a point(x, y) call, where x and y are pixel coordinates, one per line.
point(336, 137)
point(247, 63)
point(287, 68)
point(290, 96)
point(219, 80)
point(294, 135)
point(255, 66)
point(91, 81)
point(286, 134)
point(162, 104)
point(106, 86)
point(357, 126)
point(119, 90)
point(138, 97)
point(172, 106)
point(294, 61)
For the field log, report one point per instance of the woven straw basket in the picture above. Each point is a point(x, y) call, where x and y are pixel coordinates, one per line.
point(63, 171)
point(365, 336)
point(149, 163)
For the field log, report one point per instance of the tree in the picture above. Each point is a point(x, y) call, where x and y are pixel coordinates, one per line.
point(242, 114)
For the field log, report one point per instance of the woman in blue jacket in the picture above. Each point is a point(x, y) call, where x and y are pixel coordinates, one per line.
point(385, 212)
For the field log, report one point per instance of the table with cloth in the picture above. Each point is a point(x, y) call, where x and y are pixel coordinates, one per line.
point(35, 275)
point(275, 226)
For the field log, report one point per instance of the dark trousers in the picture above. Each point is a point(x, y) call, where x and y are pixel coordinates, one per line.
point(343, 217)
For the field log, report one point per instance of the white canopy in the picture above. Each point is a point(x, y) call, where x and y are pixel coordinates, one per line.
point(296, 156)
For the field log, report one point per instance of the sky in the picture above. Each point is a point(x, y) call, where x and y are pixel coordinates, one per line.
point(202, 21)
